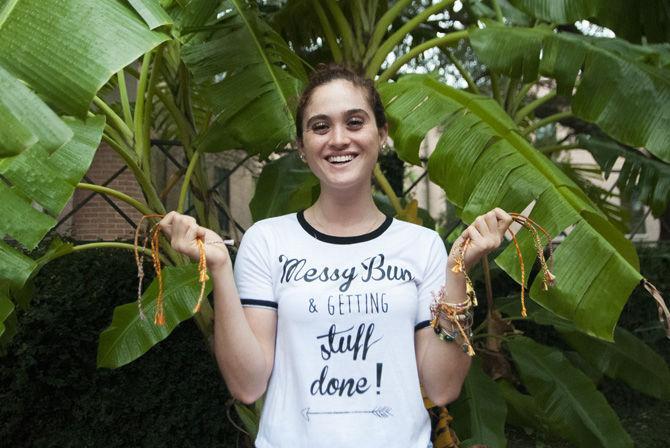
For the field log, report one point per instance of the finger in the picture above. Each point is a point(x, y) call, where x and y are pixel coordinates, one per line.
point(474, 234)
point(166, 223)
point(504, 220)
point(491, 222)
point(481, 226)
point(180, 227)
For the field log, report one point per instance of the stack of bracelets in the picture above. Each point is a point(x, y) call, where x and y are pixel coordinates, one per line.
point(459, 315)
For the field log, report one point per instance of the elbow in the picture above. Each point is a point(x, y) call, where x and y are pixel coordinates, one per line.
point(446, 396)
point(247, 397)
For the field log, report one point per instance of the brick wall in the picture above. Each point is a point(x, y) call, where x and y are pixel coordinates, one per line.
point(97, 220)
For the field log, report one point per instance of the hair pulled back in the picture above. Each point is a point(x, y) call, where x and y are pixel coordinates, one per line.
point(326, 73)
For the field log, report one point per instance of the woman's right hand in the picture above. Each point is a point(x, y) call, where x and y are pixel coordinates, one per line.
point(183, 231)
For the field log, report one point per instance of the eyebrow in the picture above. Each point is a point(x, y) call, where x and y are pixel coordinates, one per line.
point(325, 117)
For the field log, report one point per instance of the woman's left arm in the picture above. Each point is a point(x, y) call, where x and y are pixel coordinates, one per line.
point(443, 365)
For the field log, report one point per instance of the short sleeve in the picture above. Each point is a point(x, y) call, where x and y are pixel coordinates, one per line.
point(434, 277)
point(253, 276)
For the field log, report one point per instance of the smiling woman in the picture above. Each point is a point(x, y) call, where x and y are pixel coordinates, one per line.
point(327, 311)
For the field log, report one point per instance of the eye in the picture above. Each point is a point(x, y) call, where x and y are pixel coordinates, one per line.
point(355, 122)
point(320, 127)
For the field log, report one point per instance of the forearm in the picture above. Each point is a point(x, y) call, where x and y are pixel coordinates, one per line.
point(444, 365)
point(238, 352)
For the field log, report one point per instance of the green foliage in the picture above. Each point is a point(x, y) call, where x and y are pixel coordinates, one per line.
point(285, 185)
point(480, 411)
point(53, 394)
point(129, 337)
point(569, 399)
point(640, 174)
point(496, 167)
point(632, 20)
point(75, 51)
point(636, 115)
point(239, 69)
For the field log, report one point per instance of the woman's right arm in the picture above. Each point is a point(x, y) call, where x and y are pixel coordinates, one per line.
point(244, 338)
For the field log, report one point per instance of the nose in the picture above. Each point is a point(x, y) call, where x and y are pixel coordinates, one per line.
point(339, 137)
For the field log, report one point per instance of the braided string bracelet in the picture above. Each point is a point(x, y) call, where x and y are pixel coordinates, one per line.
point(459, 315)
point(154, 235)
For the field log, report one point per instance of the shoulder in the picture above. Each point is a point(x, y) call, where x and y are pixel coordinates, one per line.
point(416, 231)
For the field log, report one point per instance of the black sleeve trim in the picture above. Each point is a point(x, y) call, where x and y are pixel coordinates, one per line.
point(421, 325)
point(263, 303)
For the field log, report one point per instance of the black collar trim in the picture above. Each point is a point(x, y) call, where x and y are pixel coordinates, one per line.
point(343, 239)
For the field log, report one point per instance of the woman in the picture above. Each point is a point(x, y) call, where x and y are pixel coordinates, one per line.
point(328, 309)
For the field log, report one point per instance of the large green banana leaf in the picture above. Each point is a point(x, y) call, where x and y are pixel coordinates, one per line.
point(522, 410)
point(623, 88)
point(482, 162)
point(631, 20)
point(67, 50)
point(128, 337)
point(567, 396)
point(647, 177)
point(152, 13)
point(285, 185)
point(48, 180)
point(627, 359)
point(26, 120)
point(54, 57)
point(251, 79)
point(480, 411)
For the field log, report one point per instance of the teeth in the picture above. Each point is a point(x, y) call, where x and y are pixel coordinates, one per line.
point(340, 158)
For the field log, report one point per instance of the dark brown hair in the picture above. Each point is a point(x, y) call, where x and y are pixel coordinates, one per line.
point(326, 73)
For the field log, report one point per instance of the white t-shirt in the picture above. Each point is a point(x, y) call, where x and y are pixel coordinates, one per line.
point(345, 372)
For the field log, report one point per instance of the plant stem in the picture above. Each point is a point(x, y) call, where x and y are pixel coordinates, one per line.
point(345, 30)
point(187, 180)
point(125, 102)
point(498, 11)
point(387, 189)
point(148, 108)
point(495, 88)
point(139, 105)
point(519, 97)
point(116, 121)
point(545, 121)
point(556, 148)
point(145, 183)
point(472, 86)
point(179, 118)
point(382, 27)
point(402, 60)
point(398, 36)
point(116, 245)
point(511, 93)
point(328, 33)
point(489, 335)
point(530, 107)
point(118, 195)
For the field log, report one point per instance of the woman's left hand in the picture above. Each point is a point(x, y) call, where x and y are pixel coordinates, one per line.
point(486, 233)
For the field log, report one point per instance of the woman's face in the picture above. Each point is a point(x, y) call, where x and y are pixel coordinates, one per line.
point(340, 136)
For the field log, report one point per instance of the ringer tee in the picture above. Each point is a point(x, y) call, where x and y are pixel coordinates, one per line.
point(345, 370)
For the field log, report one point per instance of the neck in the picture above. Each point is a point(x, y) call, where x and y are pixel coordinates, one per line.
point(346, 211)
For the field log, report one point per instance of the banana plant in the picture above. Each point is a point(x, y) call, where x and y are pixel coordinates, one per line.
point(209, 72)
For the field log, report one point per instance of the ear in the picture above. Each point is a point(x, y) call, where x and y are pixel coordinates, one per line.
point(383, 133)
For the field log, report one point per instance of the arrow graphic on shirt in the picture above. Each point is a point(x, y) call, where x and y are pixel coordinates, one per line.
point(381, 412)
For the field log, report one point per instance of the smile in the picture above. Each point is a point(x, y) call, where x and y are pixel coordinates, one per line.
point(341, 159)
